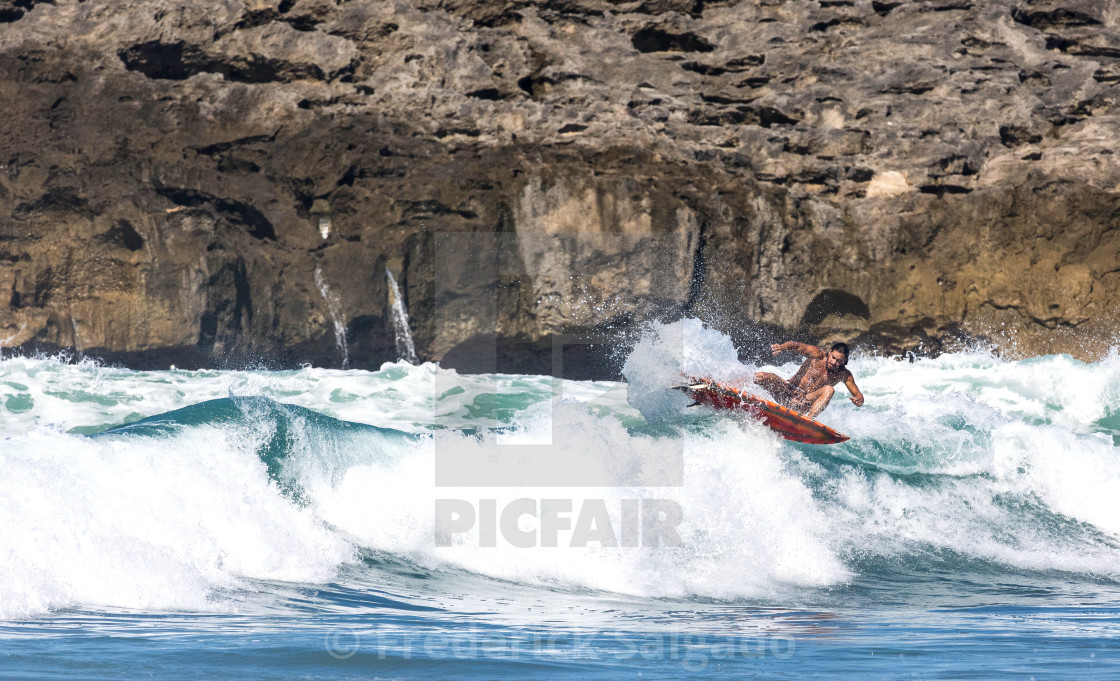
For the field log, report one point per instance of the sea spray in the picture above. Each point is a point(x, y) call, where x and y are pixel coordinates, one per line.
point(667, 355)
point(9, 339)
point(77, 336)
point(334, 309)
point(402, 335)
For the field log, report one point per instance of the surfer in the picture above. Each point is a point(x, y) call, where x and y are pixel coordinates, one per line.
point(810, 390)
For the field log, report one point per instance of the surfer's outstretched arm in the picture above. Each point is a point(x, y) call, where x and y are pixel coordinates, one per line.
point(850, 384)
point(803, 349)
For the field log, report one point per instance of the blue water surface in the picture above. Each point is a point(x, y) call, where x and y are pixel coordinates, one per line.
point(377, 625)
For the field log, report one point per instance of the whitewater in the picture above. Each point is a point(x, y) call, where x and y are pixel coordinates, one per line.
point(284, 522)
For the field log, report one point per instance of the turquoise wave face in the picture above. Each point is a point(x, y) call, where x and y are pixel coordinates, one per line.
point(203, 480)
point(283, 431)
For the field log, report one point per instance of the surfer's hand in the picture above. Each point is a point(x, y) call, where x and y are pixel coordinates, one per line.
point(857, 400)
point(776, 348)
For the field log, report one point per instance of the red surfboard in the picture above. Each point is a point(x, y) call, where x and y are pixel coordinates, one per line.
point(782, 420)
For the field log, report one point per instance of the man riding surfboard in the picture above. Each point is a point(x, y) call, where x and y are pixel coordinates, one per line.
point(810, 390)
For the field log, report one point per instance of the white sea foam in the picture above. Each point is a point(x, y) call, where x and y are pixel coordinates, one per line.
point(750, 529)
point(1008, 462)
point(150, 523)
point(1012, 465)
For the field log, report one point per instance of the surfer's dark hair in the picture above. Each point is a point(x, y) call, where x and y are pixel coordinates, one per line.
point(842, 347)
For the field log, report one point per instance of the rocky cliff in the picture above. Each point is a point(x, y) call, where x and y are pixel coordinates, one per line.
point(206, 183)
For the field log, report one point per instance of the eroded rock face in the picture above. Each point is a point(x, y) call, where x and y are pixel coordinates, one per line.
point(229, 181)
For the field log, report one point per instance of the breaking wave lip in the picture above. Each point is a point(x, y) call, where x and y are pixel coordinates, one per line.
point(281, 431)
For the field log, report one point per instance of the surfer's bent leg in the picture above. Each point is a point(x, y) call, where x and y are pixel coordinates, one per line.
point(777, 386)
point(820, 399)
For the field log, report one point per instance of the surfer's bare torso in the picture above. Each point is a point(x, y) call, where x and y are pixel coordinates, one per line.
point(810, 389)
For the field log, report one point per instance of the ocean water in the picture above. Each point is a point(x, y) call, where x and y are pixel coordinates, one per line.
point(277, 525)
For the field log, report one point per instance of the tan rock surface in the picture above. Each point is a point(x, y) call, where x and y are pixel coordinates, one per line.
point(911, 176)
